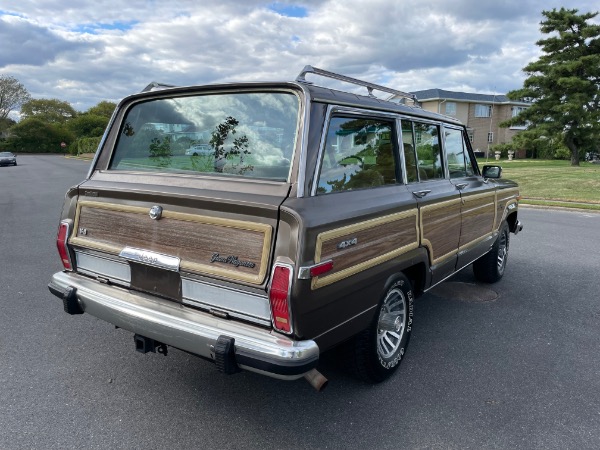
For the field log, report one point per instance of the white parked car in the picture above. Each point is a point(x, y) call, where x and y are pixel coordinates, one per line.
point(199, 149)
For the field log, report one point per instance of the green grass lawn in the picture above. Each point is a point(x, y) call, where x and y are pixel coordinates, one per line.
point(553, 182)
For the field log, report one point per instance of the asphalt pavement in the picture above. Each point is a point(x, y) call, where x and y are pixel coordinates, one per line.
point(509, 365)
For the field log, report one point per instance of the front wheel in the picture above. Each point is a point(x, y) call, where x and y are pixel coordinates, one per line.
point(490, 267)
point(377, 351)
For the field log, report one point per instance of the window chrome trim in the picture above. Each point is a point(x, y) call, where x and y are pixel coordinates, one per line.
point(398, 118)
point(302, 146)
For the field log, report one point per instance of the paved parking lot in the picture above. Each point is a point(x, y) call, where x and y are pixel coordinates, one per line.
point(512, 365)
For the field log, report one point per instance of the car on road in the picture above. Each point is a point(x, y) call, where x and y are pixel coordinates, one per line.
point(323, 215)
point(8, 159)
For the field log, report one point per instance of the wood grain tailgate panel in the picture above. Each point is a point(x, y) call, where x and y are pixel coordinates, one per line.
point(193, 238)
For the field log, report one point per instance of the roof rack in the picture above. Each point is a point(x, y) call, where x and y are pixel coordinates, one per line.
point(155, 86)
point(336, 76)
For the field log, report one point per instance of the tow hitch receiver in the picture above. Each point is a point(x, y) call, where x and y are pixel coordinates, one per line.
point(146, 345)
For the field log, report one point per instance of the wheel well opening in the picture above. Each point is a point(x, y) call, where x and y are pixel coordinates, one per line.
point(512, 221)
point(416, 275)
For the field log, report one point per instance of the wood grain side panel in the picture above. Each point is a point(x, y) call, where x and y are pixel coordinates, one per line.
point(504, 198)
point(378, 240)
point(478, 216)
point(440, 225)
point(192, 238)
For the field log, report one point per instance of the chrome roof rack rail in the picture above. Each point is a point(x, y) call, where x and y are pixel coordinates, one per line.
point(155, 86)
point(336, 76)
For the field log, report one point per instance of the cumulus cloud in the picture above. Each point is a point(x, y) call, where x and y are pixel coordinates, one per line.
point(85, 52)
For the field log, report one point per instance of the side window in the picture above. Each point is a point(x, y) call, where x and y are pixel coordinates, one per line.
point(429, 154)
point(358, 154)
point(409, 152)
point(455, 153)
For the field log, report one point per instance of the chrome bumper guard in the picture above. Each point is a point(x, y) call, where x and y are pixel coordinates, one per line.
point(255, 349)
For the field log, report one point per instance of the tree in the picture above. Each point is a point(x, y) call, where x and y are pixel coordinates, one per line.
point(12, 95)
point(564, 83)
point(48, 110)
point(36, 136)
point(88, 125)
point(6, 123)
point(102, 109)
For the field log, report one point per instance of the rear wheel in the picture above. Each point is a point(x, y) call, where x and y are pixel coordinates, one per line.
point(377, 351)
point(490, 267)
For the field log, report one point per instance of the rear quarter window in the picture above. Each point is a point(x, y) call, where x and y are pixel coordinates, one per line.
point(358, 154)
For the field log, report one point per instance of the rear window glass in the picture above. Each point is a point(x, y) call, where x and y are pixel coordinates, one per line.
point(241, 134)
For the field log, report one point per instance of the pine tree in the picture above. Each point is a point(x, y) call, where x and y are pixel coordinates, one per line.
point(564, 83)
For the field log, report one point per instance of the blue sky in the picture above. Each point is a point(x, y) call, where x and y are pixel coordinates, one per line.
point(85, 51)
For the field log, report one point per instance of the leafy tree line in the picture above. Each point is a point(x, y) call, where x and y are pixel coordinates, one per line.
point(46, 123)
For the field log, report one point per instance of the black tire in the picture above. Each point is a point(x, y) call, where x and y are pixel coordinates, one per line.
point(491, 266)
point(376, 353)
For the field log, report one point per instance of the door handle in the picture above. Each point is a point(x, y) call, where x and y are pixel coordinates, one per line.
point(461, 186)
point(421, 194)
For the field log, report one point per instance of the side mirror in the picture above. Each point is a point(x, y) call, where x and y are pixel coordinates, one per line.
point(491, 172)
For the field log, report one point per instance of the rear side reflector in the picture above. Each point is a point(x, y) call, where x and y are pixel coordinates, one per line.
point(320, 269)
point(61, 245)
point(279, 295)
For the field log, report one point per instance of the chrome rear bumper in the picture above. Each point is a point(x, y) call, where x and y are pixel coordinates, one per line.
point(255, 349)
point(518, 227)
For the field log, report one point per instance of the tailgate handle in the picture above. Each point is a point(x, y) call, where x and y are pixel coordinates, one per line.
point(150, 258)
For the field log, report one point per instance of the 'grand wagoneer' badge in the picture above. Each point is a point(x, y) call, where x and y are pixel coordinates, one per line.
point(233, 260)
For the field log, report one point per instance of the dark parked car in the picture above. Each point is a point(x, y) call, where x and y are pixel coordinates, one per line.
point(316, 219)
point(7, 159)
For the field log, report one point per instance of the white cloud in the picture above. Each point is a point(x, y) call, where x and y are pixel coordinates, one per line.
point(86, 52)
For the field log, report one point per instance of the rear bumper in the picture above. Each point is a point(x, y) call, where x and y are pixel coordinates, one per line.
point(518, 227)
point(255, 349)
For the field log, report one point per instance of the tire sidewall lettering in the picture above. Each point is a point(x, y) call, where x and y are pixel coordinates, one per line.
point(397, 358)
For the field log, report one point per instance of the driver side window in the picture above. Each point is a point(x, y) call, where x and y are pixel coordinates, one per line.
point(358, 154)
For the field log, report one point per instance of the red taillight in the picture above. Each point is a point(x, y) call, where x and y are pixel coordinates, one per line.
point(61, 244)
point(279, 296)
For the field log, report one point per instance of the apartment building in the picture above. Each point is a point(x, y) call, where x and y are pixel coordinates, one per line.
point(481, 113)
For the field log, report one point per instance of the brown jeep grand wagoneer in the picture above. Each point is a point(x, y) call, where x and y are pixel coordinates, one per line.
point(315, 218)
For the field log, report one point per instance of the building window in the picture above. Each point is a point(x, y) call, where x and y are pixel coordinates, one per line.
point(516, 110)
point(450, 109)
point(483, 110)
point(491, 137)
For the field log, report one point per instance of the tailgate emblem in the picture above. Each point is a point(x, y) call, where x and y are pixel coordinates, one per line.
point(155, 212)
point(233, 260)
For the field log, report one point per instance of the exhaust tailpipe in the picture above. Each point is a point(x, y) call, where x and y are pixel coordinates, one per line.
point(316, 379)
